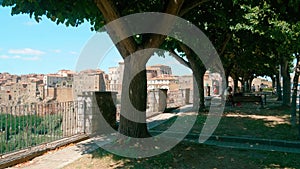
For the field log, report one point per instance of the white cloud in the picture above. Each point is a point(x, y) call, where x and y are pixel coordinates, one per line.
point(19, 57)
point(31, 58)
point(4, 57)
point(26, 51)
point(10, 57)
point(16, 57)
point(56, 51)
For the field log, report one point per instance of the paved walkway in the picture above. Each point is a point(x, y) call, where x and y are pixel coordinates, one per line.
point(59, 158)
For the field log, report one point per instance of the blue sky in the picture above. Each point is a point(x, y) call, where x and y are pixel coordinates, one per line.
point(30, 47)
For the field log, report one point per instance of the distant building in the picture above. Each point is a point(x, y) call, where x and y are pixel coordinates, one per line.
point(65, 73)
point(115, 78)
point(186, 82)
point(158, 71)
point(163, 82)
point(58, 86)
point(88, 80)
point(158, 76)
point(61, 78)
point(22, 92)
point(51, 80)
point(261, 83)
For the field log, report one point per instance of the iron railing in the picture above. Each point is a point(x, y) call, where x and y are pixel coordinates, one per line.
point(25, 126)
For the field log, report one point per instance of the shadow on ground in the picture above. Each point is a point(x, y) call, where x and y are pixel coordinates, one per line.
point(191, 155)
point(272, 122)
point(249, 121)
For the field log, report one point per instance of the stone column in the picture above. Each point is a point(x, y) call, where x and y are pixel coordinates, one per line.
point(97, 114)
point(181, 97)
point(85, 111)
point(81, 114)
point(162, 102)
point(187, 96)
point(157, 100)
point(152, 102)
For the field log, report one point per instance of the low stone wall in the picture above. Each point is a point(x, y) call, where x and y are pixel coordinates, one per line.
point(178, 98)
point(97, 111)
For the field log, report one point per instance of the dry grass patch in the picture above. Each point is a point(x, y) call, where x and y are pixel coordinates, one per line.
point(191, 155)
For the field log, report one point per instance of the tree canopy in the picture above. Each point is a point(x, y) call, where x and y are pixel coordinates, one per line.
point(253, 38)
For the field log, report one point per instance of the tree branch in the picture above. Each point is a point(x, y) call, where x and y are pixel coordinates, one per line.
point(185, 49)
point(110, 13)
point(228, 37)
point(173, 8)
point(191, 6)
point(180, 59)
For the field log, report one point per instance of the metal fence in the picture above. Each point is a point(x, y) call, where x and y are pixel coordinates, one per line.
point(25, 126)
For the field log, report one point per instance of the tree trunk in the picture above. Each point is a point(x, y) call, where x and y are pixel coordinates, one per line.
point(242, 85)
point(199, 72)
point(273, 81)
point(278, 88)
point(250, 83)
point(235, 83)
point(294, 99)
point(286, 99)
point(133, 107)
point(246, 85)
point(226, 79)
point(133, 118)
point(294, 96)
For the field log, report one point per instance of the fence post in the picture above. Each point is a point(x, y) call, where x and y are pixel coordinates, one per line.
point(81, 114)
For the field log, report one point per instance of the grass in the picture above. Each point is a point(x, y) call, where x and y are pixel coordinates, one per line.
point(191, 155)
point(271, 122)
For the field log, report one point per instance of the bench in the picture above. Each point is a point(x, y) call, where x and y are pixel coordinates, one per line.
point(258, 99)
point(263, 94)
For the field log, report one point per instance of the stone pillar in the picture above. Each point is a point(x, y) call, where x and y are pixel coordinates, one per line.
point(81, 114)
point(186, 95)
point(181, 97)
point(152, 102)
point(97, 114)
point(157, 100)
point(162, 102)
point(85, 111)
